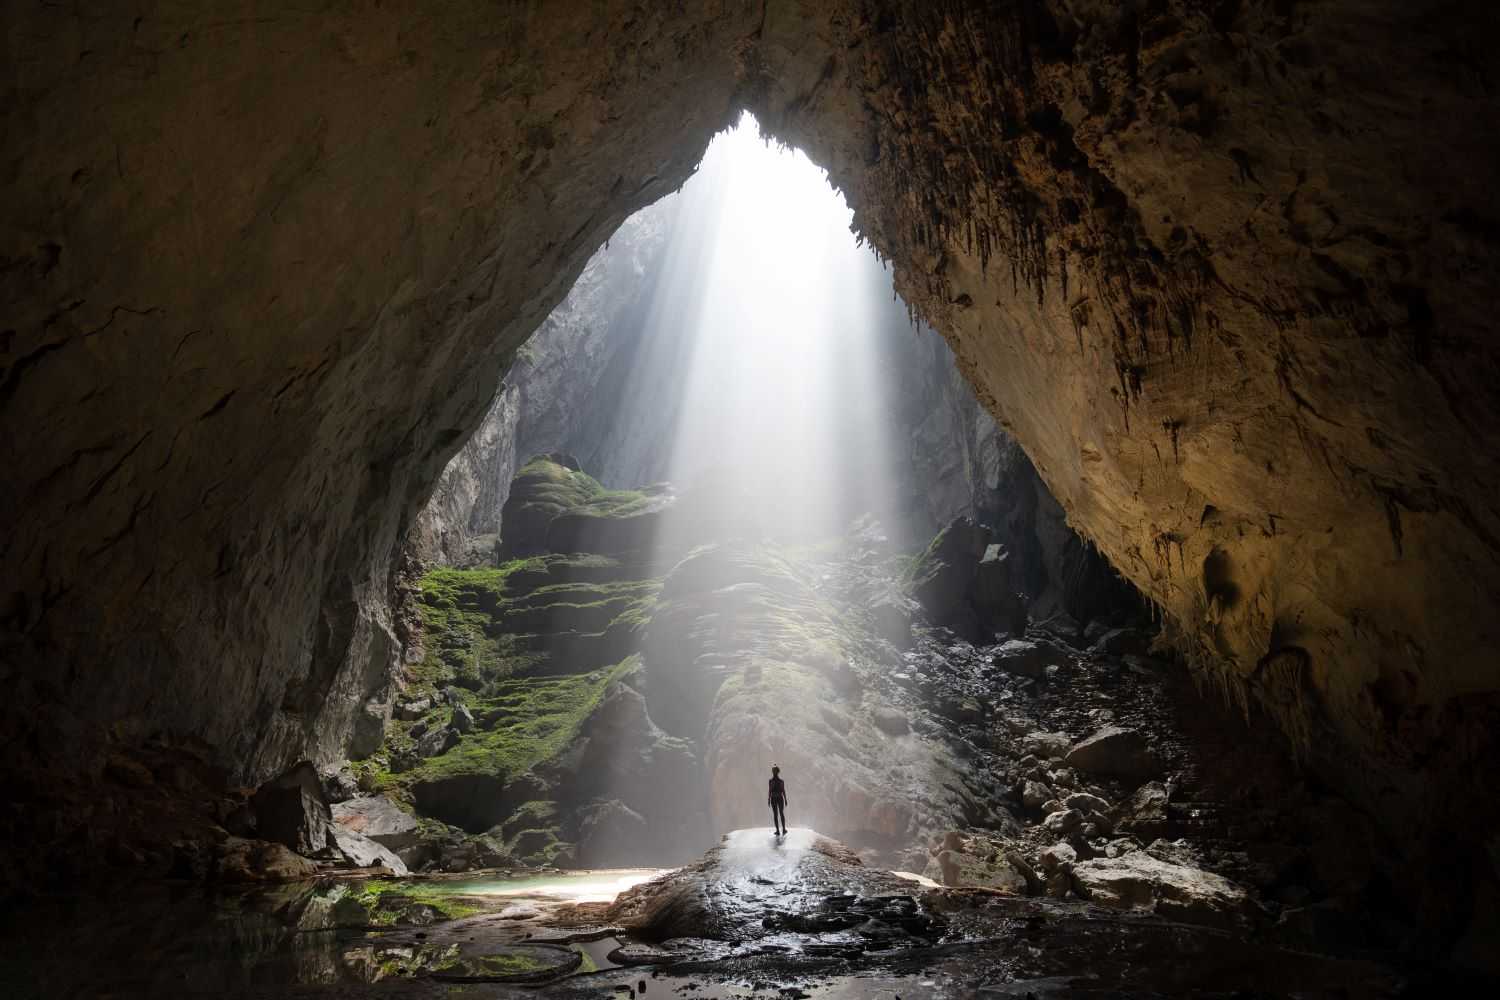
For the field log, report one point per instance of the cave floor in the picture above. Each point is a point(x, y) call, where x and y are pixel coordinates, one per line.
point(771, 912)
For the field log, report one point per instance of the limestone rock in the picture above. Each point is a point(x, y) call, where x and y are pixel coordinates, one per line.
point(1047, 746)
point(994, 594)
point(1028, 658)
point(462, 720)
point(1063, 821)
point(1057, 855)
point(1115, 751)
point(338, 785)
point(362, 852)
point(941, 576)
point(1145, 815)
point(378, 818)
point(291, 810)
point(1034, 794)
point(410, 711)
point(1140, 881)
point(1086, 803)
point(436, 742)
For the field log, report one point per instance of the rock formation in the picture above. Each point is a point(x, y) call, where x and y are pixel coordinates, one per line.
point(1225, 270)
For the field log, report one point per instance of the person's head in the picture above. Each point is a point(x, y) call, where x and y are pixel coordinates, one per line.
point(775, 771)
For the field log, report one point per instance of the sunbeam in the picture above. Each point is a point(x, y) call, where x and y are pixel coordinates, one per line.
point(782, 410)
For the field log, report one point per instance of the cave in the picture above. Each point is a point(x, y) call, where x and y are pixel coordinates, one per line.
point(298, 449)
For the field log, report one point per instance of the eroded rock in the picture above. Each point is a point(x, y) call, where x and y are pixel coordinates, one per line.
point(1140, 881)
point(1115, 751)
point(291, 810)
point(378, 818)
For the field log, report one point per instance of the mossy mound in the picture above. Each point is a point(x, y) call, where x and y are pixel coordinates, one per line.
point(554, 506)
point(402, 904)
point(483, 626)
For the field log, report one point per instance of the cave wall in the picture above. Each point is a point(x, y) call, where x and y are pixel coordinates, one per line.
point(263, 269)
point(563, 392)
point(1225, 269)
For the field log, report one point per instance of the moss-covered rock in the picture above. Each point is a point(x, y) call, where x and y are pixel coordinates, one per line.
point(554, 506)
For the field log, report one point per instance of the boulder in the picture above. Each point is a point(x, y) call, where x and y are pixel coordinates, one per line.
point(362, 852)
point(1028, 658)
point(1047, 746)
point(611, 835)
point(411, 711)
point(437, 742)
point(962, 710)
point(1034, 793)
point(978, 864)
point(993, 593)
point(1086, 803)
point(941, 576)
point(1114, 751)
point(339, 786)
point(1059, 854)
point(462, 720)
point(1138, 881)
point(1145, 815)
point(543, 488)
point(1063, 822)
point(378, 818)
point(290, 809)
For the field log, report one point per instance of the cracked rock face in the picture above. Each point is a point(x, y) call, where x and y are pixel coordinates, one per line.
point(1225, 270)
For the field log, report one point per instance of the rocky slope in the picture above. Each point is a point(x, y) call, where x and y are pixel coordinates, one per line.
point(615, 689)
point(1224, 269)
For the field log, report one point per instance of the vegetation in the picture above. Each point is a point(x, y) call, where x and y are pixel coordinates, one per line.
point(527, 721)
point(556, 489)
point(387, 901)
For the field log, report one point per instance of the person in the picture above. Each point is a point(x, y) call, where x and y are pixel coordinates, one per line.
point(776, 799)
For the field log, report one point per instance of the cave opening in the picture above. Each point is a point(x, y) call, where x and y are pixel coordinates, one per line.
point(311, 638)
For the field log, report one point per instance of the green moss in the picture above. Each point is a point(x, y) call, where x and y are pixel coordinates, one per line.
point(926, 562)
point(552, 489)
point(386, 900)
point(530, 720)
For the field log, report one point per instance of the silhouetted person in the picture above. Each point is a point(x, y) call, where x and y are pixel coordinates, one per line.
point(776, 799)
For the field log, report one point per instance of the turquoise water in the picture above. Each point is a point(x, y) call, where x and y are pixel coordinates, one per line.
point(576, 887)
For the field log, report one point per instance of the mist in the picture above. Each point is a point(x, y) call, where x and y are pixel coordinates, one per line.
point(778, 320)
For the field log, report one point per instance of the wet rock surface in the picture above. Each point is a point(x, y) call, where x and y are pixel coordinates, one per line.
point(792, 916)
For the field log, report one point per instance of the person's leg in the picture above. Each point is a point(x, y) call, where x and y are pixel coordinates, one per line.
point(775, 823)
point(779, 814)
